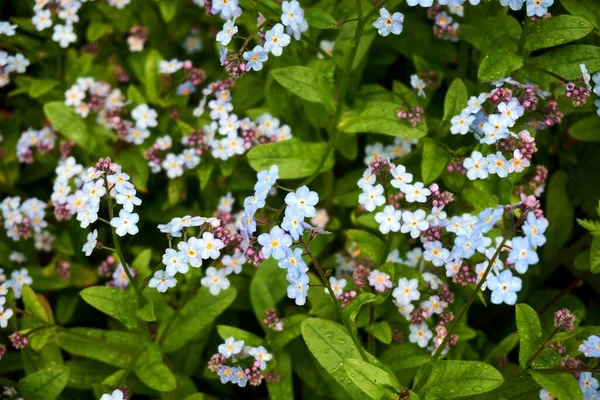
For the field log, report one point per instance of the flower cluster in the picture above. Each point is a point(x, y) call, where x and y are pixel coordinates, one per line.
point(22, 220)
point(399, 148)
point(67, 13)
point(535, 8)
point(292, 23)
point(491, 116)
point(43, 140)
point(188, 79)
point(444, 26)
point(241, 369)
point(138, 35)
point(10, 64)
point(580, 94)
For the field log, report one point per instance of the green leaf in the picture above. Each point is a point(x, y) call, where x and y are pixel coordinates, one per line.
point(85, 373)
point(168, 9)
point(451, 379)
point(565, 60)
point(435, 160)
point(33, 305)
point(151, 370)
point(97, 29)
point(377, 117)
point(151, 75)
point(319, 18)
point(492, 33)
point(196, 314)
point(282, 389)
point(592, 226)
point(404, 356)
point(381, 331)
point(354, 307)
point(295, 158)
point(368, 245)
point(588, 9)
point(291, 329)
point(250, 339)
point(586, 130)
point(307, 83)
point(456, 99)
point(595, 256)
point(555, 31)
point(331, 346)
point(530, 332)
point(115, 379)
point(119, 304)
point(40, 87)
point(111, 347)
point(267, 287)
point(141, 262)
point(502, 349)
point(374, 382)
point(498, 64)
point(479, 198)
point(562, 385)
point(46, 384)
point(559, 212)
point(64, 120)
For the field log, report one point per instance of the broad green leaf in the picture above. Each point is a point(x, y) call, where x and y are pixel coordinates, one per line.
point(405, 355)
point(40, 87)
point(352, 309)
point(46, 357)
point(492, 33)
point(456, 99)
point(451, 379)
point(530, 332)
point(562, 385)
point(151, 75)
point(141, 262)
point(64, 120)
point(595, 256)
point(46, 384)
point(367, 244)
point(115, 379)
point(33, 304)
point(150, 369)
point(282, 389)
point(319, 18)
point(331, 346)
point(435, 160)
point(119, 304)
point(345, 42)
point(555, 31)
point(168, 9)
point(97, 29)
point(295, 158)
point(559, 212)
point(374, 382)
point(547, 358)
point(85, 373)
point(378, 117)
point(498, 64)
point(291, 329)
point(565, 60)
point(111, 347)
point(586, 130)
point(308, 83)
point(197, 313)
point(588, 9)
point(381, 331)
point(250, 339)
point(267, 287)
point(66, 304)
point(479, 198)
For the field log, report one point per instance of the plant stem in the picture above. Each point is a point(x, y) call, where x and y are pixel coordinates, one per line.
point(118, 248)
point(542, 347)
point(461, 314)
point(347, 323)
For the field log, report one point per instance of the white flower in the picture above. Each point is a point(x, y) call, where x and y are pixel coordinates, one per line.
point(415, 223)
point(175, 262)
point(117, 394)
point(416, 192)
point(63, 34)
point(401, 177)
point(16, 257)
point(43, 241)
point(90, 245)
point(215, 280)
point(120, 278)
point(388, 219)
point(337, 286)
point(94, 191)
point(231, 347)
point(209, 246)
point(190, 250)
point(234, 263)
point(162, 281)
point(17, 63)
point(144, 116)
point(173, 165)
point(406, 291)
point(420, 334)
point(371, 197)
point(128, 199)
point(125, 223)
point(260, 354)
point(18, 279)
point(5, 315)
point(169, 67)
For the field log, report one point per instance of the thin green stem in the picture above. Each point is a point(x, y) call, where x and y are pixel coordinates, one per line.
point(456, 321)
point(542, 347)
point(347, 323)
